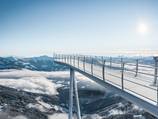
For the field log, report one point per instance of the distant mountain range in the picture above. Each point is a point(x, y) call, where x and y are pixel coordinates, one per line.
point(45, 63)
point(41, 63)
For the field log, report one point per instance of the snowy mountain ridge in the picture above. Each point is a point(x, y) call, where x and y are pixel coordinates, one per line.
point(41, 63)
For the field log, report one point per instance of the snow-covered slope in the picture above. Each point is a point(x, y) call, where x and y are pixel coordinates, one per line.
point(42, 63)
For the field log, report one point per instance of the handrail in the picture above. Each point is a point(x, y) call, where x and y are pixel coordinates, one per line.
point(120, 65)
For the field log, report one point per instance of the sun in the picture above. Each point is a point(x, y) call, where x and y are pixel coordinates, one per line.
point(142, 28)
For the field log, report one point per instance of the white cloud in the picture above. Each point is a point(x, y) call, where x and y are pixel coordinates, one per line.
point(28, 81)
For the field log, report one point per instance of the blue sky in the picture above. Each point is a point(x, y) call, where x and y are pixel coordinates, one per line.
point(38, 27)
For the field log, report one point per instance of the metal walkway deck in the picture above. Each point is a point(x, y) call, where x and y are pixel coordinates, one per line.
point(136, 83)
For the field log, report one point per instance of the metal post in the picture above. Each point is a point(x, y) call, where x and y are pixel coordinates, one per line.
point(62, 58)
point(65, 58)
point(155, 75)
point(71, 93)
point(84, 63)
point(103, 70)
point(121, 62)
point(53, 55)
point(74, 60)
point(70, 59)
point(92, 67)
point(58, 57)
point(122, 75)
point(110, 62)
point(136, 68)
point(77, 98)
point(155, 70)
point(102, 59)
point(78, 61)
point(157, 94)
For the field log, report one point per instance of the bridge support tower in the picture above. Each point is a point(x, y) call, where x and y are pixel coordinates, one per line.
point(73, 92)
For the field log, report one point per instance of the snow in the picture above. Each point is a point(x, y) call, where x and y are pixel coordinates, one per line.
point(58, 116)
point(4, 115)
point(138, 117)
point(115, 112)
point(1, 108)
point(19, 117)
point(43, 106)
point(135, 107)
point(65, 116)
point(91, 116)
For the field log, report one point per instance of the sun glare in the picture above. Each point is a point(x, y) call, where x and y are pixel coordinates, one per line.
point(142, 28)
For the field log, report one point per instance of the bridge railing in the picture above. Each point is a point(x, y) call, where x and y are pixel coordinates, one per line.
point(134, 77)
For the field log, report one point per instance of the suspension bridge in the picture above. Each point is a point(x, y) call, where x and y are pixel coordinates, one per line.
point(131, 79)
